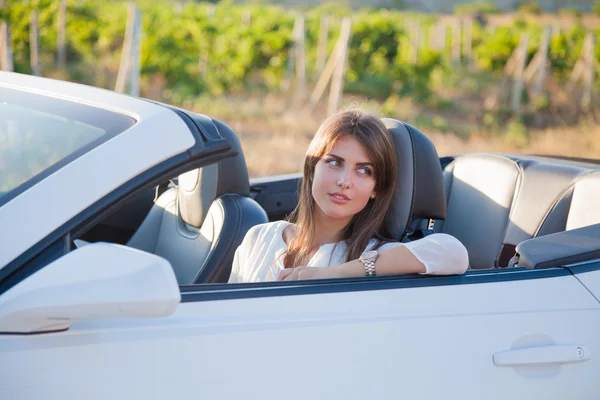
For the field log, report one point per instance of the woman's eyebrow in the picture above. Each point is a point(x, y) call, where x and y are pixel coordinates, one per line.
point(342, 159)
point(335, 156)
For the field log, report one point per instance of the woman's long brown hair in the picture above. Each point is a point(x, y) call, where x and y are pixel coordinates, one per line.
point(370, 131)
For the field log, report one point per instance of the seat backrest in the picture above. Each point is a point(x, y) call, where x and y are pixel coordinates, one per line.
point(480, 191)
point(577, 207)
point(198, 225)
point(420, 185)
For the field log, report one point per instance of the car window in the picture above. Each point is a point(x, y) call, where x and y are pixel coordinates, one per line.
point(39, 134)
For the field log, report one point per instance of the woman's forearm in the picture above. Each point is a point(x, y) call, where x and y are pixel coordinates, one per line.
point(437, 254)
point(395, 261)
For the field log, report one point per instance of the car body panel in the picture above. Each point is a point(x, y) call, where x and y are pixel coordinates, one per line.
point(429, 342)
point(160, 132)
point(591, 280)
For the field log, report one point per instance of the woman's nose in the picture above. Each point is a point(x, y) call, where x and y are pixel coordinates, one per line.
point(344, 179)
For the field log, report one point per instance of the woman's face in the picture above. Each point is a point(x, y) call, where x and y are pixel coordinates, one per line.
point(344, 179)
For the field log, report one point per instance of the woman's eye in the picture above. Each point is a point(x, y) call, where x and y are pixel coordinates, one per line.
point(365, 171)
point(333, 162)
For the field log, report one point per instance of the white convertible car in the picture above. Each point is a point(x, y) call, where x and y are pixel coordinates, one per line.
point(119, 218)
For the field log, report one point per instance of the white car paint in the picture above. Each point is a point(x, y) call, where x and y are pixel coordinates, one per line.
point(430, 343)
point(591, 280)
point(100, 280)
point(158, 135)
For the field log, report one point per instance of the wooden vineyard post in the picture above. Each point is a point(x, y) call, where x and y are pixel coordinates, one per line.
point(543, 60)
point(518, 75)
point(203, 57)
point(246, 18)
point(322, 45)
point(432, 36)
point(588, 74)
point(537, 66)
point(337, 57)
point(456, 36)
point(325, 77)
point(299, 49)
point(584, 67)
point(61, 38)
point(555, 28)
point(34, 44)
point(440, 37)
point(6, 54)
point(136, 50)
point(468, 42)
point(130, 56)
point(337, 80)
point(415, 41)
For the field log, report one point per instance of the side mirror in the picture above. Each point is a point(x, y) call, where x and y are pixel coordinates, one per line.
point(99, 280)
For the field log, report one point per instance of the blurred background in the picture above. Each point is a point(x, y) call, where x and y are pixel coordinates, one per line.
point(504, 76)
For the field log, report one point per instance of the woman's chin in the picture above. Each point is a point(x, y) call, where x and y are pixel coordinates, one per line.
point(336, 213)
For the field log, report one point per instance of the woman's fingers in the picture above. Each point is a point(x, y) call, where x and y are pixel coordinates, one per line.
point(286, 272)
point(293, 276)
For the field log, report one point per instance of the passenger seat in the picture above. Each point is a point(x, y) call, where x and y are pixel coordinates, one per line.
point(578, 207)
point(480, 190)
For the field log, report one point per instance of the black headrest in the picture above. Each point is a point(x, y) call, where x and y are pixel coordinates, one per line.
point(420, 192)
point(200, 187)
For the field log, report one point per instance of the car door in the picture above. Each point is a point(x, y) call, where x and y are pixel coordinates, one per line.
point(516, 334)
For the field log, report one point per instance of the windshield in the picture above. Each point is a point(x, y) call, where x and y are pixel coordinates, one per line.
point(40, 134)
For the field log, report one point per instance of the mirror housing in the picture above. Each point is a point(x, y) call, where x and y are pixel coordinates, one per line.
point(99, 280)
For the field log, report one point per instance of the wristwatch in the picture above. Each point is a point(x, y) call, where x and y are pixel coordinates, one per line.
point(368, 260)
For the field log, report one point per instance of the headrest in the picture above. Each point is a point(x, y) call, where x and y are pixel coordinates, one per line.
point(200, 187)
point(420, 192)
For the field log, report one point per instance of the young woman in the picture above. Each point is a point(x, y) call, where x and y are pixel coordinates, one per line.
point(349, 180)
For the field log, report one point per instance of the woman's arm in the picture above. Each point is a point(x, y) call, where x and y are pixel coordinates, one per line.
point(437, 254)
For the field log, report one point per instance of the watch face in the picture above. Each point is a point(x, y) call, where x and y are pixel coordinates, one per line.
point(368, 255)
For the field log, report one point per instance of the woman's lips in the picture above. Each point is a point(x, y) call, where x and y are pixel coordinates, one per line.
point(339, 198)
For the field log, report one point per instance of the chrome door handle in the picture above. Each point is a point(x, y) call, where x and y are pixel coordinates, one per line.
point(541, 355)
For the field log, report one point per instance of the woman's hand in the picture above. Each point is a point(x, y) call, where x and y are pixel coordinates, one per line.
point(304, 273)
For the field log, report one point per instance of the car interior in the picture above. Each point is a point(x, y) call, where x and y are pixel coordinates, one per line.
point(497, 205)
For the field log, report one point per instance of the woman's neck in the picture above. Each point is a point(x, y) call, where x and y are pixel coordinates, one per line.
point(327, 229)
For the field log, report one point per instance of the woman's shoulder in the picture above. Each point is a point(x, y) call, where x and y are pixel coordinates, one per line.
point(265, 231)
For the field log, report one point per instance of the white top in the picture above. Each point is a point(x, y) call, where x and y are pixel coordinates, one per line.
point(258, 259)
